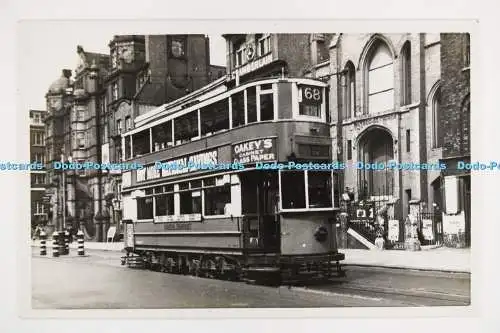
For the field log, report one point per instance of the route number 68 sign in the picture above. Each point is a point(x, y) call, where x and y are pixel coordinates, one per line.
point(312, 94)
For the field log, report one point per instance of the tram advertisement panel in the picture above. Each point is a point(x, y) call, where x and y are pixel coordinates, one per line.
point(252, 151)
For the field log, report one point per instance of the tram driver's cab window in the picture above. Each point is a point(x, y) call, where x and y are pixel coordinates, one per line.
point(190, 197)
point(297, 194)
point(293, 189)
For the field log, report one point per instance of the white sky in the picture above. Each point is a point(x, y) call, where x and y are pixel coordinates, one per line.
point(47, 47)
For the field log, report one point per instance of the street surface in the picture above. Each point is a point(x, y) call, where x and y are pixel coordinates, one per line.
point(98, 281)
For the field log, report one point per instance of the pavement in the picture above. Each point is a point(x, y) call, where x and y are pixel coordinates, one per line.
point(431, 259)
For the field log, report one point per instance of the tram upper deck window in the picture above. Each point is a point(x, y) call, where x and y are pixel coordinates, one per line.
point(215, 117)
point(140, 142)
point(128, 150)
point(319, 189)
point(144, 208)
point(310, 99)
point(238, 109)
point(293, 189)
point(162, 136)
point(186, 127)
point(266, 107)
point(251, 105)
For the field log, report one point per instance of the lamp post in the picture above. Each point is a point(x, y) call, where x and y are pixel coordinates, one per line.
point(70, 159)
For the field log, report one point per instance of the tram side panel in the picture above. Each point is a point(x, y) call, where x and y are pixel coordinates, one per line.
point(307, 234)
point(217, 234)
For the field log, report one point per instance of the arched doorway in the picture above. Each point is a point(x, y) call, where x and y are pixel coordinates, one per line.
point(375, 147)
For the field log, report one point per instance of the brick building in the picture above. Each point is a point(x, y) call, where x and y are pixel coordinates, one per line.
point(454, 119)
point(39, 208)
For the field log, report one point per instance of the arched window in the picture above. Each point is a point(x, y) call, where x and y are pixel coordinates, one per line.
point(379, 79)
point(436, 104)
point(349, 84)
point(406, 74)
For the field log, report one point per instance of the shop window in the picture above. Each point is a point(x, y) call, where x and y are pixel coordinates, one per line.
point(145, 208)
point(216, 197)
point(186, 127)
point(238, 109)
point(266, 107)
point(214, 117)
point(140, 142)
point(251, 105)
point(319, 189)
point(162, 136)
point(293, 189)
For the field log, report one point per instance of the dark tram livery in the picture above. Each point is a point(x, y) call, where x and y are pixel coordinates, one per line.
point(245, 218)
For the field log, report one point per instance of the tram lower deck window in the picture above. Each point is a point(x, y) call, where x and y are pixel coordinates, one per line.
point(165, 204)
point(144, 208)
point(190, 202)
point(216, 199)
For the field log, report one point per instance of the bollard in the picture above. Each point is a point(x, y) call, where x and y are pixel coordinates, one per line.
point(81, 250)
point(66, 242)
point(43, 244)
point(55, 245)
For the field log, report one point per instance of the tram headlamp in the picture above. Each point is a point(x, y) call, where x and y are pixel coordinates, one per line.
point(321, 234)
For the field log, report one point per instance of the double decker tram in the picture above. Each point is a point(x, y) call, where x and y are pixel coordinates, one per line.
point(240, 184)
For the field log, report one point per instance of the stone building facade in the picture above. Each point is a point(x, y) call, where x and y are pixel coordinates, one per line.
point(39, 207)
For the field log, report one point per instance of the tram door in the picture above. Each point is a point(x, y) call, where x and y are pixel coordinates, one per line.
point(260, 202)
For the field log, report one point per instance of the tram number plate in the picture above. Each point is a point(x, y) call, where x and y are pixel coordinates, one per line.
point(312, 94)
point(177, 226)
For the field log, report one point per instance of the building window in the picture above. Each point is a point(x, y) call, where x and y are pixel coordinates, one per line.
point(408, 141)
point(186, 127)
point(162, 136)
point(465, 126)
point(40, 208)
point(119, 128)
point(80, 140)
point(37, 179)
point(436, 105)
point(263, 45)
point(190, 197)
point(128, 123)
point(349, 150)
point(467, 50)
point(39, 158)
point(348, 82)
point(114, 91)
point(214, 117)
point(145, 208)
point(238, 109)
point(80, 115)
point(38, 138)
point(239, 53)
point(217, 195)
point(379, 79)
point(406, 74)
